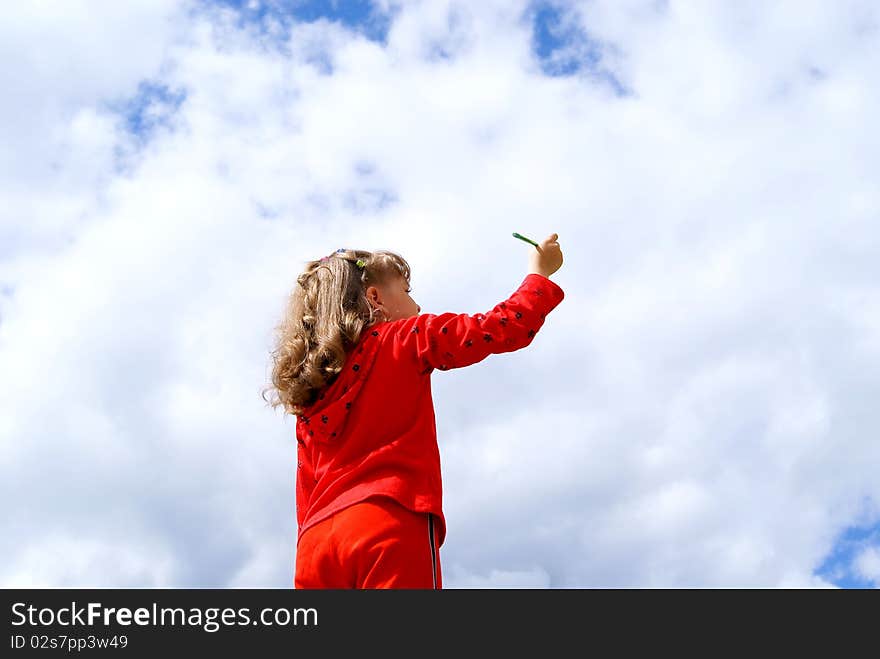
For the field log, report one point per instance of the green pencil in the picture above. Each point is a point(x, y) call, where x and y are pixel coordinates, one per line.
point(522, 237)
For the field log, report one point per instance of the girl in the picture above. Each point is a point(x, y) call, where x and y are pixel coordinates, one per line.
point(353, 362)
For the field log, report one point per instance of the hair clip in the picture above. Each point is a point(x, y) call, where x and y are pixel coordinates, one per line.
point(361, 264)
point(329, 256)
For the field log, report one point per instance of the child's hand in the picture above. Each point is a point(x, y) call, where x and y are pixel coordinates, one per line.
point(546, 257)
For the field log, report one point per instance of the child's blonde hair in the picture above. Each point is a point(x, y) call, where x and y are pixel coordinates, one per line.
point(325, 315)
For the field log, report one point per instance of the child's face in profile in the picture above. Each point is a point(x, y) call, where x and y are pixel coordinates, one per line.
point(393, 299)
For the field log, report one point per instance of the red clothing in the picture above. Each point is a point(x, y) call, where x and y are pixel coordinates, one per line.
point(372, 431)
point(373, 544)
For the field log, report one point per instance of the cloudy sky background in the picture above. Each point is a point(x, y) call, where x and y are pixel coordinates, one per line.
point(700, 411)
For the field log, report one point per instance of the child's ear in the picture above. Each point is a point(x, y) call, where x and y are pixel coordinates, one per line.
point(373, 296)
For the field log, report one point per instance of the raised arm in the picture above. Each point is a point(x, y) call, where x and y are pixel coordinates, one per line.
point(449, 340)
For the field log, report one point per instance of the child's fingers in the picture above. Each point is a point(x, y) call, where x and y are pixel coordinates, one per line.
point(548, 243)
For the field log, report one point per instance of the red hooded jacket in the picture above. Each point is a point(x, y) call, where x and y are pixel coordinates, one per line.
point(372, 430)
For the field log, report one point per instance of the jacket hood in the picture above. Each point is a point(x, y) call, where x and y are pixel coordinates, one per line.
point(325, 419)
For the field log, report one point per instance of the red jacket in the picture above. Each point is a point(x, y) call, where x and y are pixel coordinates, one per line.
point(372, 431)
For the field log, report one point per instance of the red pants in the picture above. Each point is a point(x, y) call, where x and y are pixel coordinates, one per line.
point(374, 544)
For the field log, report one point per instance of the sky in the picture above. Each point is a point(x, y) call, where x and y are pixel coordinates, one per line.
point(699, 411)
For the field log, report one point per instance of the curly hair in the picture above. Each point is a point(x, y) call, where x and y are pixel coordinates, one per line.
point(325, 315)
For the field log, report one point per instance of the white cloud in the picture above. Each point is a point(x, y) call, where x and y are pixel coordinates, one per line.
point(460, 578)
point(56, 560)
point(696, 412)
point(867, 564)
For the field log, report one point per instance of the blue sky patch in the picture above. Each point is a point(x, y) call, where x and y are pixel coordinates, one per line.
point(560, 44)
point(150, 108)
point(361, 16)
point(838, 567)
point(550, 36)
point(564, 48)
